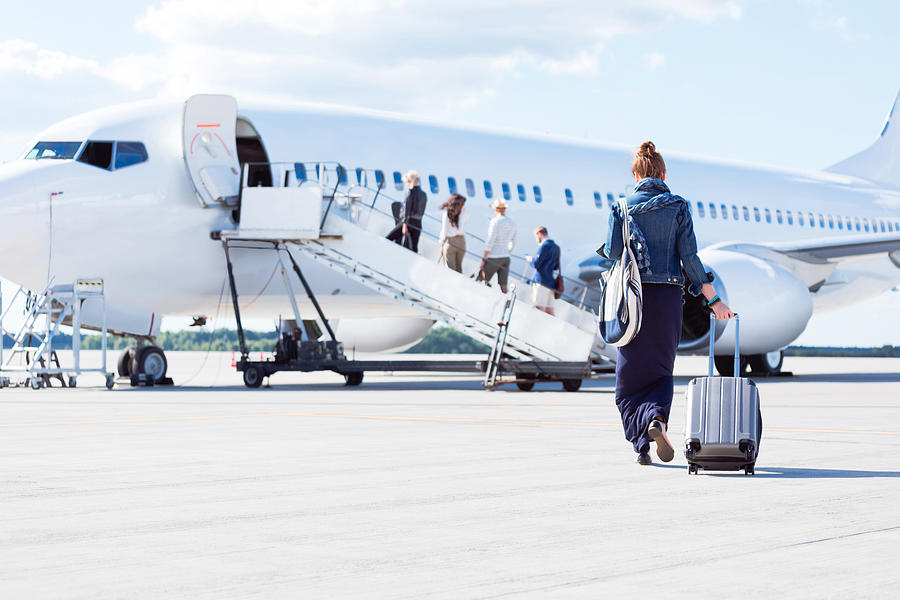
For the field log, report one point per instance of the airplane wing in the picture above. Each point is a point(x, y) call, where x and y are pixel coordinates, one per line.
point(813, 261)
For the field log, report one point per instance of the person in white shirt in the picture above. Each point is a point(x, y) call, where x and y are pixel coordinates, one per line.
point(453, 239)
point(499, 245)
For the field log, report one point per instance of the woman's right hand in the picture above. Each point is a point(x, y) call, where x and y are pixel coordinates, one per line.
point(722, 311)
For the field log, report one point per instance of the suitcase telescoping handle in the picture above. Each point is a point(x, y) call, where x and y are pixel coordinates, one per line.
point(737, 344)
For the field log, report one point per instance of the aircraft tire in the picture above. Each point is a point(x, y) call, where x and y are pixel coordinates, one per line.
point(124, 365)
point(150, 360)
point(768, 363)
point(725, 365)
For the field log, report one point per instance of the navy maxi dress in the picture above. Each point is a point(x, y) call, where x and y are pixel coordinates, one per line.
point(644, 380)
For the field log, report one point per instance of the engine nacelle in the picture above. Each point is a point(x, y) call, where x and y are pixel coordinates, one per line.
point(774, 306)
point(381, 334)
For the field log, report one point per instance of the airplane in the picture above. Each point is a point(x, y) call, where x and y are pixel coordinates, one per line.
point(131, 193)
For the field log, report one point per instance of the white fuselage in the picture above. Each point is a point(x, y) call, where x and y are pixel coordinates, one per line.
point(143, 230)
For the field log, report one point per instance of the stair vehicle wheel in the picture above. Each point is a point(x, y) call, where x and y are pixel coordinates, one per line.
point(110, 380)
point(150, 360)
point(768, 363)
point(525, 385)
point(124, 364)
point(35, 383)
point(571, 385)
point(253, 376)
point(353, 379)
point(72, 381)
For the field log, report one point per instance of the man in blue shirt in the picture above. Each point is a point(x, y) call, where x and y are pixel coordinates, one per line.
point(546, 265)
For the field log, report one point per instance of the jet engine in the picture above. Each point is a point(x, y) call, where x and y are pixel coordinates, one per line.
point(774, 307)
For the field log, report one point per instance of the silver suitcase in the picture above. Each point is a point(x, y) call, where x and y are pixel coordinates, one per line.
point(723, 423)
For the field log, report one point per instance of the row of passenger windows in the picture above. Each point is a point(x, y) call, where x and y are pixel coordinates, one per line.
point(798, 218)
point(702, 209)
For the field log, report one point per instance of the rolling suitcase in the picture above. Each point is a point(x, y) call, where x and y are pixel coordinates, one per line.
point(723, 423)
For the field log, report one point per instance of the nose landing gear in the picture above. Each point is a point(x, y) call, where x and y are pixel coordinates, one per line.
point(147, 361)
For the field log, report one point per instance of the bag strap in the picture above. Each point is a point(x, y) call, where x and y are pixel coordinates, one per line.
point(626, 230)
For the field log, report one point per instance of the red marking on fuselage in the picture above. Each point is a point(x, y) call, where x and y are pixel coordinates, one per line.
point(207, 124)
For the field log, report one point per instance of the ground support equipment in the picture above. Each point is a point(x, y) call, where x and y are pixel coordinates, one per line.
point(293, 354)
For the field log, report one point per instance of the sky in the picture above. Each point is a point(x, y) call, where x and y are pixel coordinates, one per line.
point(797, 83)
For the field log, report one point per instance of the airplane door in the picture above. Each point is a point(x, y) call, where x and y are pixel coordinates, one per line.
point(210, 150)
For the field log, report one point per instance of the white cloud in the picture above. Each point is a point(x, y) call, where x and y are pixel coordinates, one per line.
point(396, 54)
point(31, 59)
point(656, 60)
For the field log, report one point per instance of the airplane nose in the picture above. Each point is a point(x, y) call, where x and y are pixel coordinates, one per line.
point(24, 222)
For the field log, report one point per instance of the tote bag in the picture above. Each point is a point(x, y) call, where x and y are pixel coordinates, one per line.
point(621, 302)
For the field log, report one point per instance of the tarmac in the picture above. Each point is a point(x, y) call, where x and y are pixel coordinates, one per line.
point(426, 486)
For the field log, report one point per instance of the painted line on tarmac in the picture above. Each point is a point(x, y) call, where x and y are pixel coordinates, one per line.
point(333, 415)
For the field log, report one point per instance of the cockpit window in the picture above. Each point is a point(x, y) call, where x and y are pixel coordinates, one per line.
point(58, 150)
point(98, 154)
point(129, 153)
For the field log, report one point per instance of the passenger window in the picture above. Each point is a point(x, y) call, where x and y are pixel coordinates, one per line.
point(712, 210)
point(800, 219)
point(856, 222)
point(840, 223)
point(756, 214)
point(610, 199)
point(506, 193)
point(882, 226)
point(724, 211)
point(734, 213)
point(746, 212)
point(433, 184)
point(570, 199)
point(98, 154)
point(398, 180)
point(300, 171)
point(470, 188)
point(866, 224)
point(812, 220)
point(821, 221)
point(849, 223)
point(537, 194)
point(342, 175)
point(521, 190)
point(598, 200)
point(768, 214)
point(379, 178)
point(700, 210)
point(488, 190)
point(359, 175)
point(778, 216)
point(790, 217)
point(129, 153)
point(451, 185)
point(830, 222)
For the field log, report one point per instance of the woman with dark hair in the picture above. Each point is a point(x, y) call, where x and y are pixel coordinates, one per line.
point(453, 239)
point(662, 237)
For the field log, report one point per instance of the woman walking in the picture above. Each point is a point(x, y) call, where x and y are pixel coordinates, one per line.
point(662, 237)
point(453, 239)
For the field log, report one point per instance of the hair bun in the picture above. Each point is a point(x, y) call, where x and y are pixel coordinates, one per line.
point(647, 149)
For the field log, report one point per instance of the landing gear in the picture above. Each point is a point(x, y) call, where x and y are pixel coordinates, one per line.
point(124, 365)
point(725, 365)
point(149, 360)
point(768, 363)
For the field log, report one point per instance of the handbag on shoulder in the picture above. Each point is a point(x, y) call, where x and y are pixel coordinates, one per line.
point(560, 284)
point(621, 301)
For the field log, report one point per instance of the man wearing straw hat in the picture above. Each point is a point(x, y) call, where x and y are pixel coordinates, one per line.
point(500, 242)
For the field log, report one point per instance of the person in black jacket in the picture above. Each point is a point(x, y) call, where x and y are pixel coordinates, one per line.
point(409, 227)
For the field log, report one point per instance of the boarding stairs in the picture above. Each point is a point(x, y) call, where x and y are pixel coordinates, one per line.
point(46, 312)
point(343, 227)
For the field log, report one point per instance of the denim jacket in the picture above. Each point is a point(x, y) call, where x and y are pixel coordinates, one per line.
point(669, 234)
